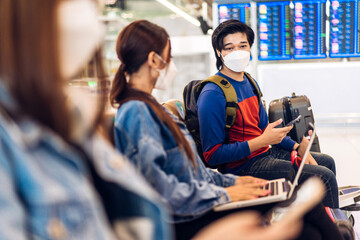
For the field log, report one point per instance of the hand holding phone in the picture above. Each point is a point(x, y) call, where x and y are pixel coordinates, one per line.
point(293, 121)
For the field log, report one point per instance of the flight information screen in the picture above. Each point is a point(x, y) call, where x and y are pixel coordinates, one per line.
point(344, 28)
point(309, 20)
point(239, 11)
point(275, 33)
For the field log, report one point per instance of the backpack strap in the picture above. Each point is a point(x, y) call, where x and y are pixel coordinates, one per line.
point(257, 91)
point(230, 97)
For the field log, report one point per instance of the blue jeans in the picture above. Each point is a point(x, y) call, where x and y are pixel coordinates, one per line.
point(276, 163)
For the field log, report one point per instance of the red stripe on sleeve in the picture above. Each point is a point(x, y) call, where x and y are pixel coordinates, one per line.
point(208, 154)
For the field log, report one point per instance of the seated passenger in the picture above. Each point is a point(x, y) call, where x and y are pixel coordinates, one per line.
point(248, 152)
point(160, 146)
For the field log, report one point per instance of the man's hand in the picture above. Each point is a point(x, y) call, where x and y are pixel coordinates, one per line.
point(274, 135)
point(303, 145)
point(270, 136)
point(310, 160)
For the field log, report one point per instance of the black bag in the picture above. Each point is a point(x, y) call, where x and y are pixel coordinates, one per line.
point(342, 222)
point(288, 108)
point(191, 93)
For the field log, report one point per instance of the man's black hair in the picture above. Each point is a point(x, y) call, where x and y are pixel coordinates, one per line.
point(229, 27)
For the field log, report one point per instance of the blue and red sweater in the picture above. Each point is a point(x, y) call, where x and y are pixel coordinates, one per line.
point(211, 114)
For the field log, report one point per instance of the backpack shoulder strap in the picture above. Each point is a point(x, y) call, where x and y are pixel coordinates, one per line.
point(257, 91)
point(230, 97)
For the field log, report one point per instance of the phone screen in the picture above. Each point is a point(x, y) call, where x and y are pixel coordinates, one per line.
point(293, 121)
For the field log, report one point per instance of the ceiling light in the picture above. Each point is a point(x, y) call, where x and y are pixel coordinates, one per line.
point(180, 12)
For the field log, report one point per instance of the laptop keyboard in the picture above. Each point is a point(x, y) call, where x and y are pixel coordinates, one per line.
point(273, 187)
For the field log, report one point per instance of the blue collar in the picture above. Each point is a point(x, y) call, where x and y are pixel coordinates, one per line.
point(232, 80)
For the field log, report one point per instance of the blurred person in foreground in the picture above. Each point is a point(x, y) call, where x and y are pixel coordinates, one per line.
point(59, 178)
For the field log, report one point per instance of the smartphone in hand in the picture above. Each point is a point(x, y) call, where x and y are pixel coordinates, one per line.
point(293, 121)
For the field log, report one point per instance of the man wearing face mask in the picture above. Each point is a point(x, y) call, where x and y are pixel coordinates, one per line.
point(248, 152)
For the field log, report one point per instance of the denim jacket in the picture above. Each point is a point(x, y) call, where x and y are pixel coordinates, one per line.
point(46, 191)
point(149, 144)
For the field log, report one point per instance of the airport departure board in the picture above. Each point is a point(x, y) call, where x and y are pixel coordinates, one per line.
point(239, 11)
point(309, 19)
point(344, 28)
point(274, 30)
point(299, 29)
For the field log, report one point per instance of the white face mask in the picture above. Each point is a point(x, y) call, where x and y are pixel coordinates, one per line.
point(237, 61)
point(166, 76)
point(80, 34)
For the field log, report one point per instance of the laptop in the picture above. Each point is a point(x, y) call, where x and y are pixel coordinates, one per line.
point(281, 189)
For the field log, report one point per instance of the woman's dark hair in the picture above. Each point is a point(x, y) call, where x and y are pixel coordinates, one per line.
point(133, 46)
point(29, 63)
point(229, 27)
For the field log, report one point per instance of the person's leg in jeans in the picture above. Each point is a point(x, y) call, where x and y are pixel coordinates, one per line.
point(268, 167)
point(324, 162)
point(321, 158)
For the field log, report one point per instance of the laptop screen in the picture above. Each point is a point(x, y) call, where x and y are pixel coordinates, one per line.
point(306, 154)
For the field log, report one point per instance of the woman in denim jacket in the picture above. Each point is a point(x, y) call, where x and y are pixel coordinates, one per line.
point(158, 144)
point(59, 180)
point(162, 149)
